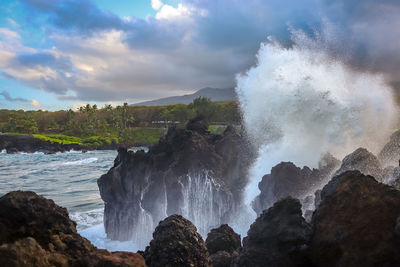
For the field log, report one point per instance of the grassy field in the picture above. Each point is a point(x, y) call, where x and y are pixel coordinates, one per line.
point(128, 136)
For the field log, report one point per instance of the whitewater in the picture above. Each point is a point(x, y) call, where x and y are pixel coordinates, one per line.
point(302, 101)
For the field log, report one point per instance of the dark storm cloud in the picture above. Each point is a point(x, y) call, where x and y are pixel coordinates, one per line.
point(214, 42)
point(79, 15)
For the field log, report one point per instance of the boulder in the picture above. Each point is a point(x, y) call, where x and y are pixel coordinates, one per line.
point(37, 232)
point(390, 153)
point(363, 161)
point(190, 172)
point(223, 244)
point(286, 179)
point(176, 243)
point(278, 237)
point(355, 223)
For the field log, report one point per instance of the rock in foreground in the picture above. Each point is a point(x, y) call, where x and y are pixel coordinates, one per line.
point(223, 244)
point(37, 232)
point(286, 179)
point(176, 243)
point(355, 223)
point(277, 238)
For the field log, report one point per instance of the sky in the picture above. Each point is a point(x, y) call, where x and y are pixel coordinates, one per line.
point(59, 54)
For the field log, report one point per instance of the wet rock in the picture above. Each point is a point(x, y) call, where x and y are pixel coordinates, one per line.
point(223, 244)
point(354, 225)
point(277, 238)
point(394, 178)
point(397, 227)
point(190, 172)
point(176, 243)
point(363, 161)
point(390, 153)
point(37, 232)
point(286, 179)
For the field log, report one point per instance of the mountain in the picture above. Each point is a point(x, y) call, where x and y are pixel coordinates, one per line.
point(215, 94)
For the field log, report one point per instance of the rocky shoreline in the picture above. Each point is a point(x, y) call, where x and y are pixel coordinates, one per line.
point(13, 144)
point(357, 223)
point(190, 186)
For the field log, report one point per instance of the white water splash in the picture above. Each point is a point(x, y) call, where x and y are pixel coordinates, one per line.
point(80, 162)
point(301, 102)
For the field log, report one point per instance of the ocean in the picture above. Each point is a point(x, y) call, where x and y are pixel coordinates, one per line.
point(70, 179)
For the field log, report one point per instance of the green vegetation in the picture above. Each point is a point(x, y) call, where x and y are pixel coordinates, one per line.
point(91, 125)
point(59, 138)
point(217, 129)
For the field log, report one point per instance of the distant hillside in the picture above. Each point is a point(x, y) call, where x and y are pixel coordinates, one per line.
point(215, 94)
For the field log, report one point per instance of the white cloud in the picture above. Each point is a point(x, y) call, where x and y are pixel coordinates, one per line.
point(35, 103)
point(156, 4)
point(13, 23)
point(170, 12)
point(76, 106)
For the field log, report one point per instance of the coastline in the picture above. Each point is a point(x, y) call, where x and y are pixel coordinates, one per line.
point(14, 144)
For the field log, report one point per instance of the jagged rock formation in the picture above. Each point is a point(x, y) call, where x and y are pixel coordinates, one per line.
point(223, 244)
point(363, 161)
point(189, 172)
point(390, 154)
point(29, 144)
point(286, 179)
point(355, 223)
point(176, 243)
point(37, 232)
point(277, 238)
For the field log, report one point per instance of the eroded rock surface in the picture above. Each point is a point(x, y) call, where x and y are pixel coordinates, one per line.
point(286, 179)
point(37, 232)
point(390, 154)
point(278, 237)
point(355, 223)
point(223, 244)
point(189, 172)
point(364, 161)
point(176, 243)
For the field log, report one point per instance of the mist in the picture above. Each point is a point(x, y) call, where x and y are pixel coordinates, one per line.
point(302, 101)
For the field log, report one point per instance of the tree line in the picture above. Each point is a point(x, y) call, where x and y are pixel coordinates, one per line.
point(117, 121)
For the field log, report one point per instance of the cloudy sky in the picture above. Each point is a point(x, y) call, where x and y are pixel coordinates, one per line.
point(56, 54)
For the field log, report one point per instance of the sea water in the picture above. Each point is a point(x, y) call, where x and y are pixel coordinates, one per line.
point(70, 179)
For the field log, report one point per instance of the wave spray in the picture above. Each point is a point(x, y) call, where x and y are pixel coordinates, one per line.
point(302, 101)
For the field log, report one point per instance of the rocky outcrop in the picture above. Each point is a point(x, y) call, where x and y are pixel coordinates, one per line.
point(390, 154)
point(278, 237)
point(363, 161)
point(286, 179)
point(37, 232)
point(176, 243)
point(190, 172)
point(355, 223)
point(29, 144)
point(223, 244)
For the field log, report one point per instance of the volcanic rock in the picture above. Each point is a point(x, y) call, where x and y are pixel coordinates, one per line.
point(278, 237)
point(176, 243)
point(223, 244)
point(390, 154)
point(363, 161)
point(355, 223)
point(37, 232)
point(286, 179)
point(190, 172)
